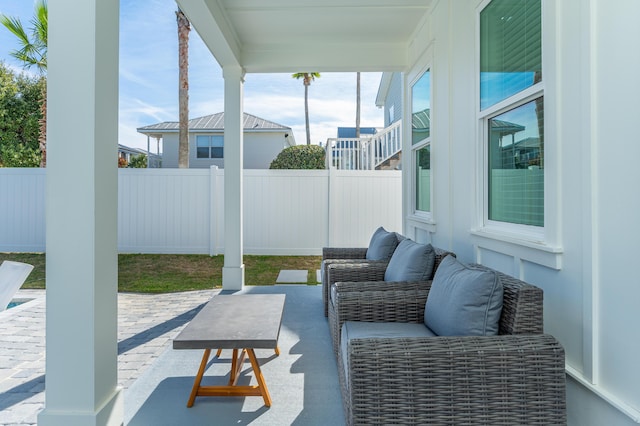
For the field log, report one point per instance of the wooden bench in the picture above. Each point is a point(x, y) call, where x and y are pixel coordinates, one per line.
point(238, 322)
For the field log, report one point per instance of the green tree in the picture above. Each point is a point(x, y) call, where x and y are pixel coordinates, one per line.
point(20, 99)
point(300, 157)
point(307, 78)
point(32, 52)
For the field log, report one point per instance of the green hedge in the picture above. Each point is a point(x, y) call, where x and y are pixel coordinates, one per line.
point(300, 157)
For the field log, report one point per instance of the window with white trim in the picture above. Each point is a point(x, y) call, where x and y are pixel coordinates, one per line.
point(210, 146)
point(421, 142)
point(511, 112)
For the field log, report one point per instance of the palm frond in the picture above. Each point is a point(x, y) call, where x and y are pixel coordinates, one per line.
point(32, 50)
point(15, 26)
point(41, 23)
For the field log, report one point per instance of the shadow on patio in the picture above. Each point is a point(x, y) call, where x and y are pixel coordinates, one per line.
point(302, 381)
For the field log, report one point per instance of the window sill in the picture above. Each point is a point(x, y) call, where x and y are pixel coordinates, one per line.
point(533, 251)
point(422, 221)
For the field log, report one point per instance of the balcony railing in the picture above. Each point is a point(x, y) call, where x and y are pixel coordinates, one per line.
point(365, 153)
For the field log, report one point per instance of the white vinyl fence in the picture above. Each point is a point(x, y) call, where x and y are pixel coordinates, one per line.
point(286, 212)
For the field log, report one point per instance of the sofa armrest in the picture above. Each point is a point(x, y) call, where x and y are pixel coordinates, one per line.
point(379, 306)
point(365, 271)
point(344, 253)
point(365, 286)
point(326, 285)
point(461, 380)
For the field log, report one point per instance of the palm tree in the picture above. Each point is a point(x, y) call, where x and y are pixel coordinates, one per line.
point(33, 53)
point(183, 89)
point(307, 78)
point(358, 105)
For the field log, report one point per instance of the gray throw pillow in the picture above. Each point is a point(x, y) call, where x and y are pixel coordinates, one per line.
point(463, 301)
point(382, 245)
point(411, 262)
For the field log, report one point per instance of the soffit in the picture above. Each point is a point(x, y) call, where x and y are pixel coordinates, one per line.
point(308, 35)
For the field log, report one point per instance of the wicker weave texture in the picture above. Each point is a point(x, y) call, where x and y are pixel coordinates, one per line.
point(499, 380)
point(522, 305)
point(331, 253)
point(362, 278)
point(399, 305)
point(339, 255)
point(327, 264)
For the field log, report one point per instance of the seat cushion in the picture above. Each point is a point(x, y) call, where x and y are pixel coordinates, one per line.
point(369, 330)
point(463, 301)
point(411, 261)
point(382, 245)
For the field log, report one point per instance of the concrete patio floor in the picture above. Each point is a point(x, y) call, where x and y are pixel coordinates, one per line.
point(157, 380)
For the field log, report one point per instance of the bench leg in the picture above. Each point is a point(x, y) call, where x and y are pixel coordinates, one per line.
point(236, 366)
point(259, 377)
point(198, 380)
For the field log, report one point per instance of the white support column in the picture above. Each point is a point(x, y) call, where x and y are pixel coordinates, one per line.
point(233, 270)
point(81, 216)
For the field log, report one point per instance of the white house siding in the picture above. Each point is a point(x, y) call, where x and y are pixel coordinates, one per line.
point(591, 286)
point(170, 150)
point(260, 149)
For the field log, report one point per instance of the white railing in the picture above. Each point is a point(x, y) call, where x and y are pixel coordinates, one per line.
point(364, 153)
point(286, 212)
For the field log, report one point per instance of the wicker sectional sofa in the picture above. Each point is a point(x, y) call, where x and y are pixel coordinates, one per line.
point(515, 377)
point(366, 277)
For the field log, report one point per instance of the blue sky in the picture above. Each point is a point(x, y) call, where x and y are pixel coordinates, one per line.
point(149, 79)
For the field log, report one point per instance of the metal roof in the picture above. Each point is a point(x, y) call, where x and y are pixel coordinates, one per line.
point(213, 122)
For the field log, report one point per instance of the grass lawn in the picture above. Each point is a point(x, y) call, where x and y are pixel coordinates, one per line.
point(165, 273)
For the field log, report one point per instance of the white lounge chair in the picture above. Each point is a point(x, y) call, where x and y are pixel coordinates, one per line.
point(12, 276)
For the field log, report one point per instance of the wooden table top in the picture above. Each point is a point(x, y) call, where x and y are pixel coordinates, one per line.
point(234, 322)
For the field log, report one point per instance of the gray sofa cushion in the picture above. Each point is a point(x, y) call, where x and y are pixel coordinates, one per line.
point(367, 330)
point(382, 245)
point(463, 301)
point(411, 261)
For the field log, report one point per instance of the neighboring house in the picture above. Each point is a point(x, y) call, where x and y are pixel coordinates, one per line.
point(390, 97)
point(126, 152)
point(263, 141)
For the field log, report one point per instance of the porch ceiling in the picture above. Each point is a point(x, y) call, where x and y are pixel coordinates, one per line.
point(308, 35)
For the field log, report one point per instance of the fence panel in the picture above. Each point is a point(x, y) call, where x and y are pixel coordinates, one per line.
point(163, 211)
point(294, 212)
point(361, 201)
point(285, 211)
point(22, 201)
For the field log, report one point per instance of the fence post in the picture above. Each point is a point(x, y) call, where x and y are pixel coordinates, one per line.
point(213, 211)
point(329, 214)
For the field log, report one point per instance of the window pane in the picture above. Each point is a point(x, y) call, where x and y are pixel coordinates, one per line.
point(202, 146)
point(516, 165)
point(421, 108)
point(217, 150)
point(510, 49)
point(423, 179)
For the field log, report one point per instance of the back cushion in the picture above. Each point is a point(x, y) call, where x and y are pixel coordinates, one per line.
point(382, 245)
point(411, 262)
point(463, 301)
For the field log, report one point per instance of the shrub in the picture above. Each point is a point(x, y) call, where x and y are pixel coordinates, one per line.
point(19, 155)
point(138, 162)
point(300, 157)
